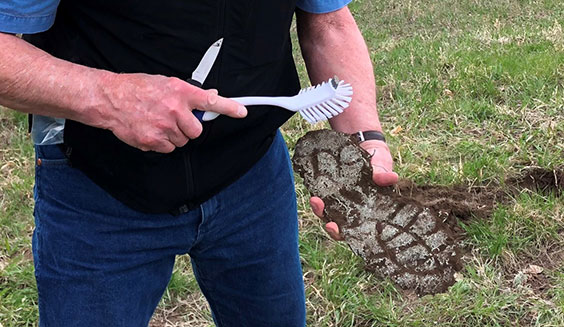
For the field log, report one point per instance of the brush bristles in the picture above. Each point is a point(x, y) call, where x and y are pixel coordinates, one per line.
point(332, 107)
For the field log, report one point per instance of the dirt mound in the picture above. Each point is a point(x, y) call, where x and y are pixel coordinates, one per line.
point(406, 232)
point(538, 180)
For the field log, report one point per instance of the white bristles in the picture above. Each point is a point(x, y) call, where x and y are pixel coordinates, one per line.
point(326, 113)
point(315, 103)
point(331, 110)
point(323, 110)
point(306, 116)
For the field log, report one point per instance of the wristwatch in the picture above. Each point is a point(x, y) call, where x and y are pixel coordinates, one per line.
point(370, 135)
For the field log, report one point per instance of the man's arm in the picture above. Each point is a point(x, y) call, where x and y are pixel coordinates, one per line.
point(150, 112)
point(331, 45)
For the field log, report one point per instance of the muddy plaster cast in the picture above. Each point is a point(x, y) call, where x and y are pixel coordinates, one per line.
point(397, 236)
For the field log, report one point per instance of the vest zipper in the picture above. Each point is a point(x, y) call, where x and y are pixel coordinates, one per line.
point(190, 192)
point(220, 34)
point(221, 16)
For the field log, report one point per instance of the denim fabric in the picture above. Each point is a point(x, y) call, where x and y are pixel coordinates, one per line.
point(27, 16)
point(99, 263)
point(321, 6)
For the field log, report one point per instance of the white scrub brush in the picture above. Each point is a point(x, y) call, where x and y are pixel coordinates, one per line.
point(315, 103)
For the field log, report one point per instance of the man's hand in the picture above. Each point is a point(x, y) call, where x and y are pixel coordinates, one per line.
point(153, 112)
point(149, 112)
point(382, 175)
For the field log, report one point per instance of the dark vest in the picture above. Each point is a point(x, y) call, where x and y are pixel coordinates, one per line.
point(169, 37)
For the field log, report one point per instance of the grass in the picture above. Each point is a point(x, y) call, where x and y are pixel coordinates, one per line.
point(18, 298)
point(470, 92)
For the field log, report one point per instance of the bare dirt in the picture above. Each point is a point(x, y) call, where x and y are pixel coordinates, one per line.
point(407, 232)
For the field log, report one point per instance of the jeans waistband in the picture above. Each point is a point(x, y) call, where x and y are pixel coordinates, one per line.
point(51, 151)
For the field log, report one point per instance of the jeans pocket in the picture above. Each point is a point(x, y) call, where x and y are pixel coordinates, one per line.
point(50, 156)
point(51, 166)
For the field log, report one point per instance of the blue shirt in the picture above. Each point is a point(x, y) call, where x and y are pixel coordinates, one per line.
point(27, 16)
point(321, 6)
point(34, 16)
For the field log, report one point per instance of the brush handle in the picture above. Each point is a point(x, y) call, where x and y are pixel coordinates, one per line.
point(246, 101)
point(252, 101)
point(208, 115)
point(263, 101)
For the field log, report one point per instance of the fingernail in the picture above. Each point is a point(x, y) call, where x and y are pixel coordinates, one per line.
point(214, 91)
point(242, 111)
point(379, 169)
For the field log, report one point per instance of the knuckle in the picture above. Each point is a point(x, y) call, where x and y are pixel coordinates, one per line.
point(211, 99)
point(176, 84)
point(164, 125)
point(176, 110)
point(148, 141)
point(178, 138)
point(166, 148)
point(183, 142)
point(172, 109)
point(195, 131)
point(191, 128)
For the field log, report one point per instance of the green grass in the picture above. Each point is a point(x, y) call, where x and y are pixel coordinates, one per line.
point(18, 298)
point(474, 91)
point(532, 222)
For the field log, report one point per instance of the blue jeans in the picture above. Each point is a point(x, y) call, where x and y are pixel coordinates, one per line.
point(99, 263)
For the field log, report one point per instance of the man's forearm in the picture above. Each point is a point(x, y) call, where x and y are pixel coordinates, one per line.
point(332, 45)
point(35, 82)
point(149, 112)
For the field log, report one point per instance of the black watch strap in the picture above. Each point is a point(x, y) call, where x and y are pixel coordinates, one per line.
point(370, 135)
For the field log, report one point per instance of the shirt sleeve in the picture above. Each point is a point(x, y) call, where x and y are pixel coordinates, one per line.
point(321, 6)
point(27, 16)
